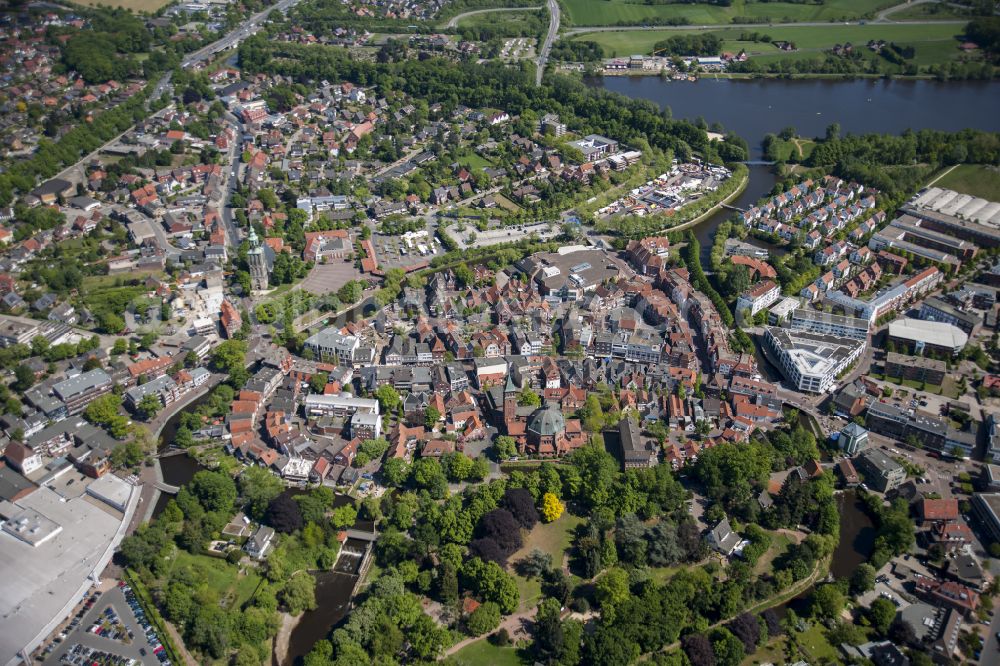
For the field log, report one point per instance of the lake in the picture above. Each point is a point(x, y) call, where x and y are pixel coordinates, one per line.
point(753, 108)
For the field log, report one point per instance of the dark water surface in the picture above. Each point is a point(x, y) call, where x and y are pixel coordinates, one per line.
point(753, 108)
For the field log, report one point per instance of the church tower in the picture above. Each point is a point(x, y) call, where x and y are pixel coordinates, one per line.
point(257, 262)
point(510, 394)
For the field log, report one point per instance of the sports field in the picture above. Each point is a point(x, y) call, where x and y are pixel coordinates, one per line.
point(933, 43)
point(137, 6)
point(622, 12)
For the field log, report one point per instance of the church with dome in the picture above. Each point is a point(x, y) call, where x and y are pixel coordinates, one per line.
point(539, 431)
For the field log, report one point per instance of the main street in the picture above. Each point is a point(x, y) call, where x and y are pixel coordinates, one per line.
point(238, 34)
point(550, 37)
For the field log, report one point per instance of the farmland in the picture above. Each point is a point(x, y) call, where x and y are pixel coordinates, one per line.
point(619, 12)
point(933, 43)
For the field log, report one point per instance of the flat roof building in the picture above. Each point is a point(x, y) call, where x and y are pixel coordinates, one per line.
point(812, 361)
point(814, 321)
point(880, 471)
point(987, 508)
point(934, 309)
point(77, 392)
point(918, 336)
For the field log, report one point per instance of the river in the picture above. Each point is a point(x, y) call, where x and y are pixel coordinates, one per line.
point(753, 108)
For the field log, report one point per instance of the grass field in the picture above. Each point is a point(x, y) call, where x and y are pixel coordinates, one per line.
point(795, 150)
point(933, 43)
point(484, 652)
point(813, 641)
point(136, 6)
point(779, 544)
point(930, 11)
point(220, 577)
point(619, 12)
point(552, 538)
point(509, 23)
point(979, 180)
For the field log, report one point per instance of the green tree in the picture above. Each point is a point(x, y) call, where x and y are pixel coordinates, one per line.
point(318, 382)
point(505, 446)
point(484, 619)
point(529, 398)
point(611, 590)
point(215, 491)
point(299, 593)
point(258, 486)
point(431, 418)
point(396, 471)
point(863, 579)
point(24, 378)
point(148, 406)
point(388, 398)
point(881, 613)
point(827, 601)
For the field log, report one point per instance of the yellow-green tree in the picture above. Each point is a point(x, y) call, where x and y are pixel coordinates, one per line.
point(552, 508)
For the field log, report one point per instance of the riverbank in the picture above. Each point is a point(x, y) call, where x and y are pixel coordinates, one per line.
point(747, 76)
point(684, 226)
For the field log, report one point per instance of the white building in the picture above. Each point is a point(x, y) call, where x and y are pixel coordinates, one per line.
point(812, 361)
point(339, 405)
point(780, 313)
point(760, 296)
point(331, 344)
point(813, 321)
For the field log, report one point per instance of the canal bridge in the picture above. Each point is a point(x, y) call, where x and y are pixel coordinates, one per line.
point(164, 487)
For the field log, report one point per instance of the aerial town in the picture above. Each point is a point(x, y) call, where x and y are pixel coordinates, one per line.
point(375, 332)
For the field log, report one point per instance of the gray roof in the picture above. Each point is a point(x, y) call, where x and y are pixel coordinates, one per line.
point(81, 383)
point(547, 421)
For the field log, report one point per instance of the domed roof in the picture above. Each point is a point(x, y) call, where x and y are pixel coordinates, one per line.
point(546, 421)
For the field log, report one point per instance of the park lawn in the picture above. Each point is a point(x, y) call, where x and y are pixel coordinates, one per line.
point(773, 652)
point(813, 640)
point(484, 652)
point(933, 42)
point(552, 538)
point(979, 180)
point(779, 544)
point(795, 150)
point(220, 576)
point(619, 12)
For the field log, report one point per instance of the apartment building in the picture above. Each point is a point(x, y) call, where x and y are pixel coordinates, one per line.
point(77, 392)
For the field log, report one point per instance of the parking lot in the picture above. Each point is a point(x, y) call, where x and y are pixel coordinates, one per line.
point(329, 277)
point(473, 237)
point(396, 252)
point(138, 645)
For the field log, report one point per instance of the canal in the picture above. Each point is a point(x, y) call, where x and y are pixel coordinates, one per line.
point(856, 544)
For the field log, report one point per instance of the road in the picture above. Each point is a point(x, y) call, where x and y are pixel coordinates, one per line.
point(550, 37)
point(244, 30)
point(231, 179)
point(453, 21)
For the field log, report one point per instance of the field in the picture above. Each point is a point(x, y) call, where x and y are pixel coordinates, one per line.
point(933, 43)
point(137, 6)
point(219, 576)
point(484, 652)
point(531, 21)
point(796, 150)
point(978, 180)
point(813, 641)
point(618, 12)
